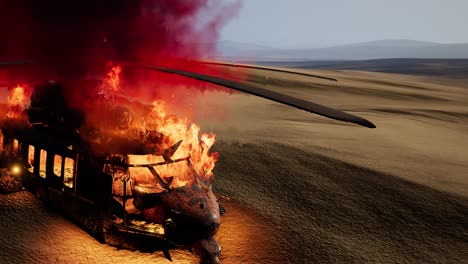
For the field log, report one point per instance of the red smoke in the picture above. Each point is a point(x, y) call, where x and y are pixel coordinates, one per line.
point(76, 38)
point(76, 34)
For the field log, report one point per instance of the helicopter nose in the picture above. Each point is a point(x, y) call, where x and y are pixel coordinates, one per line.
point(207, 223)
point(210, 217)
point(194, 214)
point(212, 223)
point(189, 228)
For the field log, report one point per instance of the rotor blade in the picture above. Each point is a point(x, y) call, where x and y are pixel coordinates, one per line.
point(8, 63)
point(265, 68)
point(271, 95)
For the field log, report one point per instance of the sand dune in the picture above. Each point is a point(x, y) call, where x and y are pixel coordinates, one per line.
point(421, 126)
point(344, 193)
point(331, 211)
point(306, 189)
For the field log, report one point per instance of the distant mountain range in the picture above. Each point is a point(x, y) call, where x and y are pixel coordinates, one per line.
point(381, 49)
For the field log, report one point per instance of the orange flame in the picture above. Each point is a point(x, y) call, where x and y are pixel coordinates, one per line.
point(17, 96)
point(195, 144)
point(17, 100)
point(111, 83)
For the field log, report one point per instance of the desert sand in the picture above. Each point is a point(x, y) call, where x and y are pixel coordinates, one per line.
point(306, 189)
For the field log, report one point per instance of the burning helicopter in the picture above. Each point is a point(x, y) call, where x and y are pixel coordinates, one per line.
point(129, 187)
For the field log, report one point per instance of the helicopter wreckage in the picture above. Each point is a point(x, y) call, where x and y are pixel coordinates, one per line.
point(123, 175)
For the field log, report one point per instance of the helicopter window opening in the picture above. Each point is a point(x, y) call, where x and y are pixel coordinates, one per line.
point(42, 164)
point(121, 181)
point(175, 174)
point(15, 147)
point(107, 169)
point(31, 150)
point(144, 180)
point(144, 159)
point(68, 172)
point(180, 173)
point(58, 165)
point(7, 148)
point(122, 187)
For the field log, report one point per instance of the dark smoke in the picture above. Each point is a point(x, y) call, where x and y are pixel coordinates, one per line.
point(76, 37)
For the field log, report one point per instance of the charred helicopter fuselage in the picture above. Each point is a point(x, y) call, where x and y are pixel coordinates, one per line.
point(105, 183)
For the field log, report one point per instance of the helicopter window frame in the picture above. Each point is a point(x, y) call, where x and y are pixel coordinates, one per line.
point(160, 178)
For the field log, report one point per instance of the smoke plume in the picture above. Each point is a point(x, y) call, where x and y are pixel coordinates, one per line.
point(72, 36)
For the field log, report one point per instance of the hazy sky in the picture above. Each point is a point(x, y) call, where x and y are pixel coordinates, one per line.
point(330, 22)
